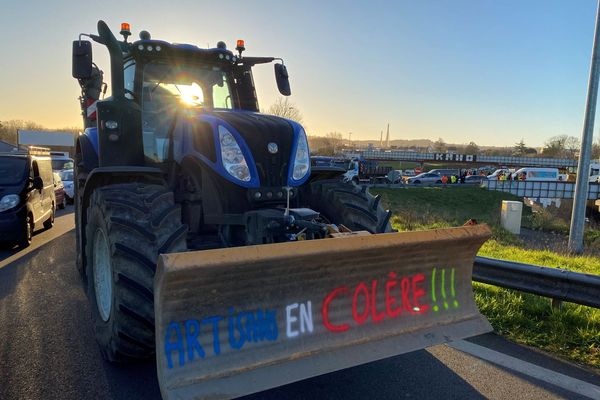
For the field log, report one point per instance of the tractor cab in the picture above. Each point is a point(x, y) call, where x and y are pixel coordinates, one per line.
point(154, 82)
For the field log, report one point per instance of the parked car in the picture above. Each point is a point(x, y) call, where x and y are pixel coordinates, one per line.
point(409, 172)
point(425, 177)
point(394, 176)
point(67, 178)
point(475, 179)
point(59, 191)
point(26, 195)
point(446, 172)
point(60, 161)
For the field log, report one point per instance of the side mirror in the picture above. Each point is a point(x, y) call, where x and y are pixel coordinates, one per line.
point(282, 78)
point(38, 183)
point(82, 59)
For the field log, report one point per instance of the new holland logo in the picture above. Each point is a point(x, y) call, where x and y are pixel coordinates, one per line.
point(272, 147)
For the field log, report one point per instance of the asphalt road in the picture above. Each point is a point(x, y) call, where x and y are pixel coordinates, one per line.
point(47, 350)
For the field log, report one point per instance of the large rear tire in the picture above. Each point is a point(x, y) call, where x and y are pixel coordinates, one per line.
point(348, 204)
point(128, 226)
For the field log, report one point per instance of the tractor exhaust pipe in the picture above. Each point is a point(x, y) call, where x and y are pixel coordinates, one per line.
point(116, 59)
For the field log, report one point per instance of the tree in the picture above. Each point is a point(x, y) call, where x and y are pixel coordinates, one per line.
point(285, 109)
point(472, 148)
point(8, 129)
point(596, 149)
point(333, 141)
point(520, 149)
point(561, 146)
point(440, 146)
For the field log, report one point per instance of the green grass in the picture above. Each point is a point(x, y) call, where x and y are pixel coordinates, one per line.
point(438, 207)
point(572, 332)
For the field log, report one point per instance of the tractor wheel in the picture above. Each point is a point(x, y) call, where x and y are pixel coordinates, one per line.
point(128, 226)
point(348, 204)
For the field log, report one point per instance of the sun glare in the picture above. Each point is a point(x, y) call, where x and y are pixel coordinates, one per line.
point(191, 94)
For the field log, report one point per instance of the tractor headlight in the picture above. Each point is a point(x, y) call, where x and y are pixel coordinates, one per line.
point(232, 157)
point(9, 201)
point(301, 164)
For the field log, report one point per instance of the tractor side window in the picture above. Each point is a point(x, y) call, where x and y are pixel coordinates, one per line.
point(222, 95)
point(129, 77)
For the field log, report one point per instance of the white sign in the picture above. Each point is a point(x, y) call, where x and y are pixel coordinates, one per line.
point(45, 138)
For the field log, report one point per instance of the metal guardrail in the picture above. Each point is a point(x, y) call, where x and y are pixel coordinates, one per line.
point(558, 284)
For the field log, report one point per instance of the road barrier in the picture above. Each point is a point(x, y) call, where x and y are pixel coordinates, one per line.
point(557, 284)
point(538, 189)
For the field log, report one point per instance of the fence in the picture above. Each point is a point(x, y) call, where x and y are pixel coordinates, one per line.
point(533, 189)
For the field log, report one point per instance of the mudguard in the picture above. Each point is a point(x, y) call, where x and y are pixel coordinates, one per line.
point(231, 322)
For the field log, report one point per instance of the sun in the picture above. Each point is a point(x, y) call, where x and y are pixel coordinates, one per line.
point(191, 94)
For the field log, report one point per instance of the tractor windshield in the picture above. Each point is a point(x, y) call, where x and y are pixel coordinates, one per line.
point(190, 85)
point(171, 87)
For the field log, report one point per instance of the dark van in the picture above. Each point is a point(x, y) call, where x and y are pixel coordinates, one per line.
point(26, 195)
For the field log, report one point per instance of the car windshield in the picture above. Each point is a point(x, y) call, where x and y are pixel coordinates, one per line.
point(12, 170)
point(58, 165)
point(66, 175)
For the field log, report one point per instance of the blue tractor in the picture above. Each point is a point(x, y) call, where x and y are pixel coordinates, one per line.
point(179, 158)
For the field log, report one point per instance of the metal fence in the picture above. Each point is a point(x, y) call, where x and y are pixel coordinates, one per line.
point(533, 189)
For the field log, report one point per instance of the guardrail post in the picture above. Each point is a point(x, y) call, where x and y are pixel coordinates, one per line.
point(556, 304)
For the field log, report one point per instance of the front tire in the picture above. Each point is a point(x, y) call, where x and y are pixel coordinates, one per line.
point(128, 226)
point(350, 205)
point(49, 223)
point(27, 233)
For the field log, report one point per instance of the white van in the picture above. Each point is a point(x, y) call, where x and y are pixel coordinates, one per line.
point(537, 174)
point(494, 176)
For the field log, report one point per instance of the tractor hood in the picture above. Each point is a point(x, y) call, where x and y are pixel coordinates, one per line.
point(267, 142)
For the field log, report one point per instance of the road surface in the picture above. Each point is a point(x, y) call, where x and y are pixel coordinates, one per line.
point(47, 350)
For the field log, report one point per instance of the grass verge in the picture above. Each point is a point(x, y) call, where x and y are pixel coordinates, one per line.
point(572, 332)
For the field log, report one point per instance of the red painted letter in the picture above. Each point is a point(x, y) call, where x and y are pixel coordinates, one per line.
point(325, 310)
point(374, 315)
point(418, 292)
point(390, 300)
point(360, 318)
point(405, 285)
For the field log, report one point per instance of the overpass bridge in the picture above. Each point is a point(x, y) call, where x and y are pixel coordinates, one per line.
point(541, 190)
point(403, 155)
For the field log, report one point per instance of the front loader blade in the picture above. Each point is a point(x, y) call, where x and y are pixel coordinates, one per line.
point(235, 321)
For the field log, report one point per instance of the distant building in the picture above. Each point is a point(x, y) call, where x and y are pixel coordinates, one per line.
point(6, 147)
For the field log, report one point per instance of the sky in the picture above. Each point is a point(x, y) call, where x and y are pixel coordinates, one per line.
point(489, 71)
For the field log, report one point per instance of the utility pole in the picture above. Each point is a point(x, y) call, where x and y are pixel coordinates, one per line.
point(583, 167)
point(350, 138)
point(381, 140)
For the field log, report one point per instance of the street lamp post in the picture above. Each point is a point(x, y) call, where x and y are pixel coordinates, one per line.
point(583, 167)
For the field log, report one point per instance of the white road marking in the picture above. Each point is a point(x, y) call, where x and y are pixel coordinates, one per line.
point(554, 378)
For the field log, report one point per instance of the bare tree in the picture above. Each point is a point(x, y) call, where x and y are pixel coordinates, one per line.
point(8, 129)
point(561, 146)
point(440, 146)
point(286, 109)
